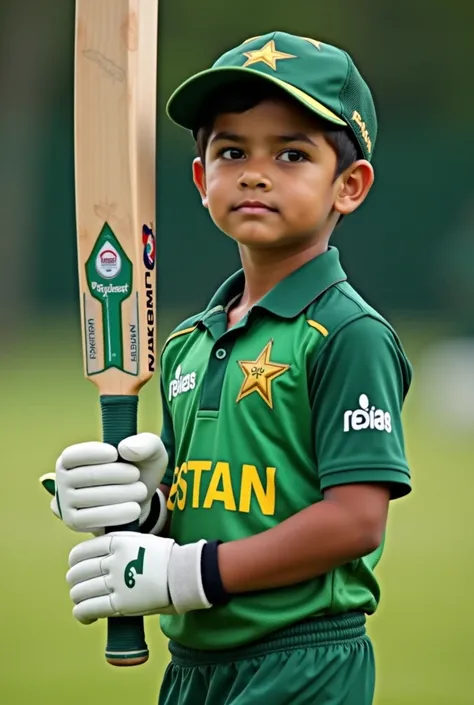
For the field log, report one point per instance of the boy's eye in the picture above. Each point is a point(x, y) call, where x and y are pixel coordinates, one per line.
point(231, 153)
point(292, 155)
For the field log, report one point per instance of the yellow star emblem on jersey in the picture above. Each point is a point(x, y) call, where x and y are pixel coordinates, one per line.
point(259, 375)
point(268, 55)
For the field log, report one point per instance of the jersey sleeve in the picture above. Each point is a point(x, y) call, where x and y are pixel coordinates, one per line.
point(167, 436)
point(358, 387)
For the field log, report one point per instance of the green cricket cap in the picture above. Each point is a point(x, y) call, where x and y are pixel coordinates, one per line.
point(320, 76)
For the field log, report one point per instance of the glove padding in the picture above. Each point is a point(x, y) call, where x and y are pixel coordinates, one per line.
point(93, 489)
point(129, 574)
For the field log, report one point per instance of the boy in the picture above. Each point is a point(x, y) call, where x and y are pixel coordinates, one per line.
point(282, 441)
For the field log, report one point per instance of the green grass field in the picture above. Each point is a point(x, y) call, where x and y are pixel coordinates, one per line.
point(422, 632)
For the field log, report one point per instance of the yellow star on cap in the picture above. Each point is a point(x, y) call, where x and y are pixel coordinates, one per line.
point(259, 375)
point(268, 55)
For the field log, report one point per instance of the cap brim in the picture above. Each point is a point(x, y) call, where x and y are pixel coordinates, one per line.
point(186, 103)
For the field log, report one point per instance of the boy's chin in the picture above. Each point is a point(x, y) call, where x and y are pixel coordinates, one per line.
point(258, 237)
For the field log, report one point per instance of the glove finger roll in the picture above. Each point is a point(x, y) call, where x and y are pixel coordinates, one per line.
point(89, 589)
point(95, 608)
point(109, 494)
point(85, 571)
point(97, 475)
point(113, 515)
point(95, 548)
point(89, 453)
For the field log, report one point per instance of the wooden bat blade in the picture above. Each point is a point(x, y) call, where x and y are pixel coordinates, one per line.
point(115, 160)
point(115, 126)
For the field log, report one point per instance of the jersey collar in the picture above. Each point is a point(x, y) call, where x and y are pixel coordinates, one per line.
point(293, 294)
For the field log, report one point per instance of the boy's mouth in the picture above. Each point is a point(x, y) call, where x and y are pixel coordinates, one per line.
point(254, 207)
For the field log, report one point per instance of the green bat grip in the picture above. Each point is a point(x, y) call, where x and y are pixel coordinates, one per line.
point(126, 645)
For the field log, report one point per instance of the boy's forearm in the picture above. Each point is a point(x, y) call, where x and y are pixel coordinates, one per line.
point(310, 543)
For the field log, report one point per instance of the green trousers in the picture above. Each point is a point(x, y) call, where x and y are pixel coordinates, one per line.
point(318, 662)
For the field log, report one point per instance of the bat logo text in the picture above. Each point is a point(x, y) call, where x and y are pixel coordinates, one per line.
point(91, 339)
point(133, 343)
point(150, 320)
point(106, 289)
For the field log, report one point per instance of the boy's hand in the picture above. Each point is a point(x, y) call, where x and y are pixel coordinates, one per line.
point(129, 574)
point(93, 489)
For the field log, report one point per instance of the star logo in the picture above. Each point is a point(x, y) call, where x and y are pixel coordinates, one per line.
point(268, 55)
point(259, 375)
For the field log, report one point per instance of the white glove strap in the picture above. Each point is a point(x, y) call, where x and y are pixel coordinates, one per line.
point(162, 516)
point(185, 578)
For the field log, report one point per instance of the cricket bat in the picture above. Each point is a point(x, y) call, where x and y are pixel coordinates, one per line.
point(114, 152)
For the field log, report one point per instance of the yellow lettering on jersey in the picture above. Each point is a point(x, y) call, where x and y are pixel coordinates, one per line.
point(178, 489)
point(220, 488)
point(220, 474)
point(172, 495)
point(251, 482)
point(198, 467)
point(182, 487)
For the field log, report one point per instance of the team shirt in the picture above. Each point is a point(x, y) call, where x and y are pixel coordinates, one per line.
point(303, 394)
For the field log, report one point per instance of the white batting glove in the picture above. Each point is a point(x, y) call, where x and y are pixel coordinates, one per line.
point(130, 574)
point(94, 490)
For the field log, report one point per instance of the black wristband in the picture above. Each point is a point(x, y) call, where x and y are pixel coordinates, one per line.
point(211, 577)
point(152, 518)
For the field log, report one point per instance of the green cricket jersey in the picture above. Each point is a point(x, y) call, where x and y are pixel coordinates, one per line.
point(303, 394)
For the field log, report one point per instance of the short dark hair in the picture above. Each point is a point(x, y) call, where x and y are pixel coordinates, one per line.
point(245, 95)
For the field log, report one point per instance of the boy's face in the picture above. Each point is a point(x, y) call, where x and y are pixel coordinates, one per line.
point(268, 180)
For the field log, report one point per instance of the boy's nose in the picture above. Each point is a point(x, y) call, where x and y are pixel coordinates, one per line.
point(250, 180)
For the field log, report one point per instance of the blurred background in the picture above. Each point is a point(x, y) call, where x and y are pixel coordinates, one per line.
point(409, 251)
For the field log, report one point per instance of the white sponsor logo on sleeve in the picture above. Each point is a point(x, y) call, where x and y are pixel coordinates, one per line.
point(367, 417)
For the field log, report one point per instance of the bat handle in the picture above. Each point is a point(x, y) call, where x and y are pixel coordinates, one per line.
point(126, 645)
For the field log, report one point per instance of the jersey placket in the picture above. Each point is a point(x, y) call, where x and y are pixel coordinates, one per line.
point(224, 341)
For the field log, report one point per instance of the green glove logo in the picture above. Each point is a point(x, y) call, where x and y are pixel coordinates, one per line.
point(134, 568)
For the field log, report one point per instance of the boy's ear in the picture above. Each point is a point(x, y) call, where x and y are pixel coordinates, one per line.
point(354, 185)
point(199, 178)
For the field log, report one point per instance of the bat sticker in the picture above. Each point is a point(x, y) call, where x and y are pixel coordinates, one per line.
point(108, 261)
point(149, 247)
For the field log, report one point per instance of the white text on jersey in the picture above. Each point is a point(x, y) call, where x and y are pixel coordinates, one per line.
point(181, 383)
point(367, 417)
